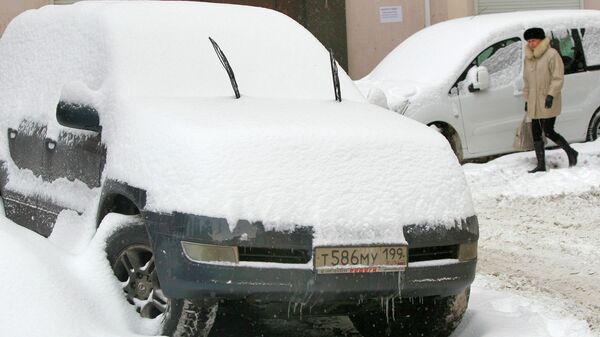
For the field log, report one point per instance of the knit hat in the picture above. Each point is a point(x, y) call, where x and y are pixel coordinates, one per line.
point(534, 33)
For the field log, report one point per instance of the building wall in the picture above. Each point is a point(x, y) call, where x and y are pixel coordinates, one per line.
point(591, 4)
point(460, 8)
point(369, 40)
point(11, 8)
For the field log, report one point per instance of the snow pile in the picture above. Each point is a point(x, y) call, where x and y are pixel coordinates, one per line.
point(285, 153)
point(505, 178)
point(49, 293)
point(415, 63)
point(496, 313)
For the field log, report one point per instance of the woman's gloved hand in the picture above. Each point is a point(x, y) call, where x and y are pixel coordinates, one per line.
point(549, 100)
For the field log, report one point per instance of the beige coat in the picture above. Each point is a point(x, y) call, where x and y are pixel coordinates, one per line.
point(543, 75)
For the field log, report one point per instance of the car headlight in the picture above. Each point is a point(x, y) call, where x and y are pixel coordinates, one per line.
point(198, 252)
point(467, 251)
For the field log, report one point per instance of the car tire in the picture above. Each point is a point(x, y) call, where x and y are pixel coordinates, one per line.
point(432, 317)
point(594, 127)
point(131, 259)
point(452, 137)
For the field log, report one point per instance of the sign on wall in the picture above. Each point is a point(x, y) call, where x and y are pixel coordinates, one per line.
point(390, 14)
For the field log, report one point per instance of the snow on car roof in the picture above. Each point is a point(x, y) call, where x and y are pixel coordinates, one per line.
point(285, 153)
point(160, 49)
point(438, 54)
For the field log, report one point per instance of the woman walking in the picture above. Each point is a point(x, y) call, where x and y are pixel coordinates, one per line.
point(543, 75)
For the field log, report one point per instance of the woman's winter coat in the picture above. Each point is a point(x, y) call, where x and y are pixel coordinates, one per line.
point(543, 75)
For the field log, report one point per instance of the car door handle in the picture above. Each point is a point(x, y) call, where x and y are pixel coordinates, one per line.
point(50, 144)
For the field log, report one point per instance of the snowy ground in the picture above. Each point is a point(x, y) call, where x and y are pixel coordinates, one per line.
point(539, 271)
point(540, 233)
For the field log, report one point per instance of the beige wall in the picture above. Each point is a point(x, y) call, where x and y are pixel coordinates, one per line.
point(591, 4)
point(439, 11)
point(11, 8)
point(369, 40)
point(460, 8)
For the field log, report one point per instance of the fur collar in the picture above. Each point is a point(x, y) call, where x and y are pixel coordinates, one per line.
point(539, 51)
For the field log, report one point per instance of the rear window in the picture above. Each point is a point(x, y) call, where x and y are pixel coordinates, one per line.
point(591, 46)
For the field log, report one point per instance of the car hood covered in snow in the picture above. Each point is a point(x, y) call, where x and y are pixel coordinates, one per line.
point(285, 153)
point(355, 172)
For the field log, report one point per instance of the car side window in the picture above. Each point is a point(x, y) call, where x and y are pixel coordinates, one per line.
point(491, 51)
point(590, 39)
point(503, 61)
point(563, 41)
point(504, 65)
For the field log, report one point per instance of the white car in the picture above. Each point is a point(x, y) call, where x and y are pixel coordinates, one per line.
point(465, 77)
point(238, 165)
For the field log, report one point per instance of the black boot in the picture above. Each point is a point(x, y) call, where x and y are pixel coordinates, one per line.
point(571, 153)
point(541, 158)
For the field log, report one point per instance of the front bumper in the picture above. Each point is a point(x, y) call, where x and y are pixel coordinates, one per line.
point(280, 282)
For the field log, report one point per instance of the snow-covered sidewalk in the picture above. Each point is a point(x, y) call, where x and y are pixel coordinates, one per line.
point(540, 233)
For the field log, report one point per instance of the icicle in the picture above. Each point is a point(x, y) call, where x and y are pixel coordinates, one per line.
point(400, 279)
point(393, 310)
point(387, 310)
point(289, 307)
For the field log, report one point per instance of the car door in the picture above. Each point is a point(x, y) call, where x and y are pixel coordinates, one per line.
point(491, 116)
point(49, 175)
point(573, 120)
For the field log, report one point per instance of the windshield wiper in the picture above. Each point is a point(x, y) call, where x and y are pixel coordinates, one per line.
point(336, 79)
point(227, 67)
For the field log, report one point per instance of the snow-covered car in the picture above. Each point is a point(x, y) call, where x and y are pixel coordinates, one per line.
point(465, 77)
point(298, 195)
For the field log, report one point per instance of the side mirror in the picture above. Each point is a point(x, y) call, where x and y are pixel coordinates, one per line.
point(481, 80)
point(78, 116)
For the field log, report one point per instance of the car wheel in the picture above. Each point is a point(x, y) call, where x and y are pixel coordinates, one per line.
point(432, 317)
point(594, 128)
point(454, 141)
point(131, 258)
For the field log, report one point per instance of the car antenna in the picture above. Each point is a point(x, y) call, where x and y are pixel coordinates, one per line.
point(227, 67)
point(336, 79)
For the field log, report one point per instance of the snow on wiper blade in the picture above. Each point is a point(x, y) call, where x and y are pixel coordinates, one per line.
point(227, 67)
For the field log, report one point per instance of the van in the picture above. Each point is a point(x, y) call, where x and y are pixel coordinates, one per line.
point(232, 163)
point(464, 78)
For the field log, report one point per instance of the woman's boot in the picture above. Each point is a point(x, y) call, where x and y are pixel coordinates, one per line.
point(571, 153)
point(541, 157)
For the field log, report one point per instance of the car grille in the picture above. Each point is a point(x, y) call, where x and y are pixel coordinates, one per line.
point(432, 253)
point(275, 255)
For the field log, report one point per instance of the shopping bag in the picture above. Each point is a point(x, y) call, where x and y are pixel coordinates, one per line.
point(523, 137)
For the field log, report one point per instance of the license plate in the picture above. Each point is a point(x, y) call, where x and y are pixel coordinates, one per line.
point(334, 260)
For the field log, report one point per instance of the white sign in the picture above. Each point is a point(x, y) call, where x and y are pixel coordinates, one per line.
point(390, 14)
